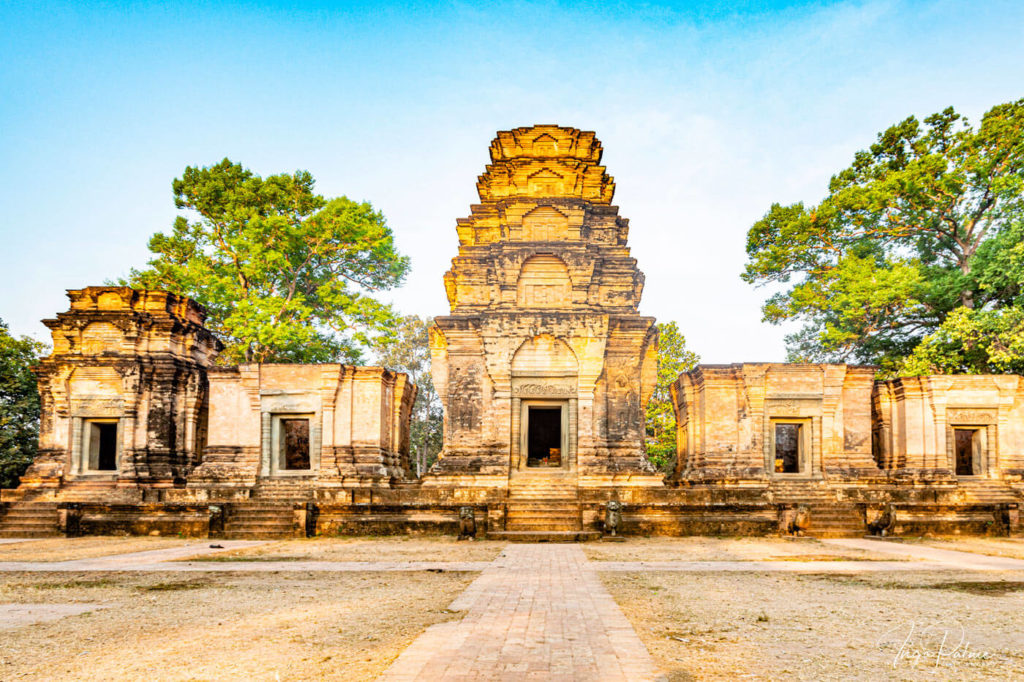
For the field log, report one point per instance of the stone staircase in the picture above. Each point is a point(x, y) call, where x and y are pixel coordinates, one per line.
point(832, 518)
point(983, 491)
point(277, 490)
point(837, 520)
point(269, 513)
point(543, 508)
point(259, 519)
point(829, 517)
point(30, 519)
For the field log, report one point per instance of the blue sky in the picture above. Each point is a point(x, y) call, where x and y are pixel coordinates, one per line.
point(708, 113)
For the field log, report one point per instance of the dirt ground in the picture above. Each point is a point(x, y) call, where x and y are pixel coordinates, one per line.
point(727, 549)
point(174, 626)
point(864, 626)
point(399, 548)
point(350, 626)
point(68, 549)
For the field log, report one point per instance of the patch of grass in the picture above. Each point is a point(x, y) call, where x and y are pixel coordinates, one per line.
point(246, 557)
point(986, 587)
point(175, 585)
point(820, 557)
point(990, 588)
point(66, 584)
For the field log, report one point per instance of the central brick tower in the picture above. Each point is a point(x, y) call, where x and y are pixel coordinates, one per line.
point(544, 365)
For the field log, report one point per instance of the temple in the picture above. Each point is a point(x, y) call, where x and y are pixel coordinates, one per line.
point(544, 366)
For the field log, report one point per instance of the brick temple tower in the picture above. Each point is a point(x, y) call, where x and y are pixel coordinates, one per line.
point(544, 365)
point(124, 394)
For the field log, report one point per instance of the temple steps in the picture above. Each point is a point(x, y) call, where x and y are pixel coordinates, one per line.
point(543, 536)
point(259, 520)
point(532, 489)
point(283, 491)
point(30, 519)
point(836, 521)
point(538, 518)
point(987, 492)
point(564, 523)
point(539, 504)
point(541, 511)
point(552, 497)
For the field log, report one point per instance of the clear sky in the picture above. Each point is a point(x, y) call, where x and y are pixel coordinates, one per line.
point(708, 113)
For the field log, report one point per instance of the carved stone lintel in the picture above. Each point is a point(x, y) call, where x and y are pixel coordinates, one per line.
point(971, 416)
point(527, 390)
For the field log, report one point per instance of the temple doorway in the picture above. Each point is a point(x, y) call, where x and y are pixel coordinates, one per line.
point(544, 407)
point(544, 439)
point(968, 447)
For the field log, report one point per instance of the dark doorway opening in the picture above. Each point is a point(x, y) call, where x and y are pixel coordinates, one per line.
point(106, 437)
point(544, 437)
point(966, 445)
point(787, 448)
point(295, 437)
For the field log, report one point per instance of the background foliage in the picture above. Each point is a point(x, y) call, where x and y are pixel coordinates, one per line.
point(284, 273)
point(407, 349)
point(19, 405)
point(923, 224)
point(673, 360)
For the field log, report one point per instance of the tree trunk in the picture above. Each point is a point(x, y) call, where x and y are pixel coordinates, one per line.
point(966, 296)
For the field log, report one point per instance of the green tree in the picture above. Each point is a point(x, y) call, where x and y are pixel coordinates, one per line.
point(285, 274)
point(673, 360)
point(407, 349)
point(19, 405)
point(901, 240)
point(972, 342)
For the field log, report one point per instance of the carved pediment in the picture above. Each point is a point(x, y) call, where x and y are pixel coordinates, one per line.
point(546, 182)
point(544, 282)
point(544, 354)
point(101, 337)
point(545, 223)
point(545, 145)
point(95, 383)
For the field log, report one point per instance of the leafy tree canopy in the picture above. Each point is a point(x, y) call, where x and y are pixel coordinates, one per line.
point(285, 274)
point(19, 405)
point(972, 342)
point(407, 349)
point(924, 222)
point(673, 359)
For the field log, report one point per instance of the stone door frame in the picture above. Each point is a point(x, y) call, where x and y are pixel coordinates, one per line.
point(544, 390)
point(521, 440)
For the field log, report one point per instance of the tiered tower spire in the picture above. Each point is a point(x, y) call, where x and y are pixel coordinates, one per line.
point(544, 315)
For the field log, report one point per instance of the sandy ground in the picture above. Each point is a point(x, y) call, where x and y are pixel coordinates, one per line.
point(13, 616)
point(1007, 547)
point(865, 626)
point(726, 549)
point(400, 548)
point(67, 549)
point(235, 626)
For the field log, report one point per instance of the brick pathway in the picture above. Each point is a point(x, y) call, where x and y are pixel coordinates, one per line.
point(537, 612)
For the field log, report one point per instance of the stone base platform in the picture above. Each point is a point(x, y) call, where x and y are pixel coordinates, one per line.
point(741, 509)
